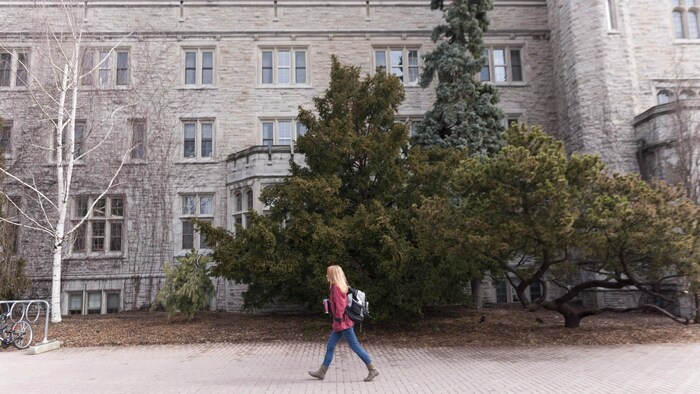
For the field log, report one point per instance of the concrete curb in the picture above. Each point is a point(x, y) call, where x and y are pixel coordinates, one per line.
point(44, 347)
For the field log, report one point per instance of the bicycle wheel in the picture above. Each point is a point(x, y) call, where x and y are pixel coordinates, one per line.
point(21, 335)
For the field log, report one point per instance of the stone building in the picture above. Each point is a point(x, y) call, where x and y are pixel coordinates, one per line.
point(207, 93)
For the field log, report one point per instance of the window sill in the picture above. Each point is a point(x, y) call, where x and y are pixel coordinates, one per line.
point(196, 161)
point(510, 84)
point(107, 89)
point(271, 86)
point(95, 256)
point(197, 87)
point(614, 32)
point(183, 252)
point(687, 41)
point(14, 88)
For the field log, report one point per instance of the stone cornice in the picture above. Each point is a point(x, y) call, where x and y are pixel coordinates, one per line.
point(256, 3)
point(664, 109)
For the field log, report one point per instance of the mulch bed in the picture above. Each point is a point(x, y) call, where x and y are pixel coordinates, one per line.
point(502, 326)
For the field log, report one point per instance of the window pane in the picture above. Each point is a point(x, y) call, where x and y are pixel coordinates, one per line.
point(99, 210)
point(499, 64)
point(5, 137)
point(189, 205)
point(22, 63)
point(203, 239)
point(285, 133)
point(187, 235)
point(249, 200)
point(283, 67)
point(5, 69)
point(105, 69)
point(115, 236)
point(693, 25)
point(122, 68)
point(380, 59)
point(207, 68)
point(112, 302)
point(239, 202)
point(485, 72)
point(206, 204)
point(138, 138)
point(301, 129)
point(397, 63)
point(98, 236)
point(117, 207)
point(79, 238)
point(190, 68)
point(207, 140)
point(516, 67)
point(86, 66)
point(413, 66)
point(79, 137)
point(190, 133)
point(663, 97)
point(76, 302)
point(267, 67)
point(94, 303)
point(268, 133)
point(300, 67)
point(81, 207)
point(678, 24)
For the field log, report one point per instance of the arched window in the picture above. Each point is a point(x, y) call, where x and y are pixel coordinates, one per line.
point(693, 28)
point(663, 97)
point(239, 202)
point(678, 24)
point(686, 94)
point(249, 200)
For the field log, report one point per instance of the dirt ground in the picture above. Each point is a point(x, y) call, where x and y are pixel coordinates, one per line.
point(503, 326)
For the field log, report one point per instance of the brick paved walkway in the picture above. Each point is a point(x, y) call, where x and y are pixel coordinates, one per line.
point(281, 368)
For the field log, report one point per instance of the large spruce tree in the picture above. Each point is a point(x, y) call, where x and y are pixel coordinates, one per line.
point(464, 114)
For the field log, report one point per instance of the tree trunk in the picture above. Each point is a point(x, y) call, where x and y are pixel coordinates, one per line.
point(476, 293)
point(697, 308)
point(56, 285)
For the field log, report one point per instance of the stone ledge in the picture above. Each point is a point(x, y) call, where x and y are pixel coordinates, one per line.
point(44, 347)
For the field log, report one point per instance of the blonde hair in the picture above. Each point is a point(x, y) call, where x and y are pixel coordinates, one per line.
point(336, 276)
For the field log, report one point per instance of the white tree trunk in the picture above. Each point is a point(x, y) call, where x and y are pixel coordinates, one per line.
point(56, 285)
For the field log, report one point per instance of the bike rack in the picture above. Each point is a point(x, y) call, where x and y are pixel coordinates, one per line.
point(25, 304)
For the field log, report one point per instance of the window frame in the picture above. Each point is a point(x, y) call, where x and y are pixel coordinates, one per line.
point(681, 13)
point(6, 130)
point(294, 131)
point(198, 139)
point(185, 216)
point(275, 66)
point(405, 67)
point(199, 66)
point(13, 69)
point(97, 68)
point(139, 150)
point(84, 296)
point(508, 59)
point(242, 206)
point(87, 228)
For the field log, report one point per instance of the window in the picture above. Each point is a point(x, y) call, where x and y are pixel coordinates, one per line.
point(198, 139)
point(511, 120)
point(138, 139)
point(611, 10)
point(14, 65)
point(201, 207)
point(502, 65)
point(199, 66)
point(686, 94)
point(402, 62)
point(281, 131)
point(663, 97)
point(283, 66)
point(685, 19)
point(243, 205)
point(535, 291)
point(78, 140)
point(75, 303)
point(102, 231)
point(94, 302)
point(6, 137)
point(113, 302)
point(501, 292)
point(110, 67)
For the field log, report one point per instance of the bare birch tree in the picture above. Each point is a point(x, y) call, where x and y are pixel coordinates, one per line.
point(55, 99)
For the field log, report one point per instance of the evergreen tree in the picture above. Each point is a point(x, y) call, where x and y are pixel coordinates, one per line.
point(464, 114)
point(187, 286)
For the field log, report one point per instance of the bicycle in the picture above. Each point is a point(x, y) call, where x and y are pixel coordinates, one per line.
point(20, 335)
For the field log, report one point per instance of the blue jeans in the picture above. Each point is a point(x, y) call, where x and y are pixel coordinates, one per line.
point(349, 335)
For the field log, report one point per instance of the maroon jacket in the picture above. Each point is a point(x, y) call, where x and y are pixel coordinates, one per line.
point(339, 301)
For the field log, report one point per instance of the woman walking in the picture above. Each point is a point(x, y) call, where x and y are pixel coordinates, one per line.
point(342, 325)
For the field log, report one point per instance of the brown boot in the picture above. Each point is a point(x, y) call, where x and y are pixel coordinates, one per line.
point(373, 373)
point(320, 374)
